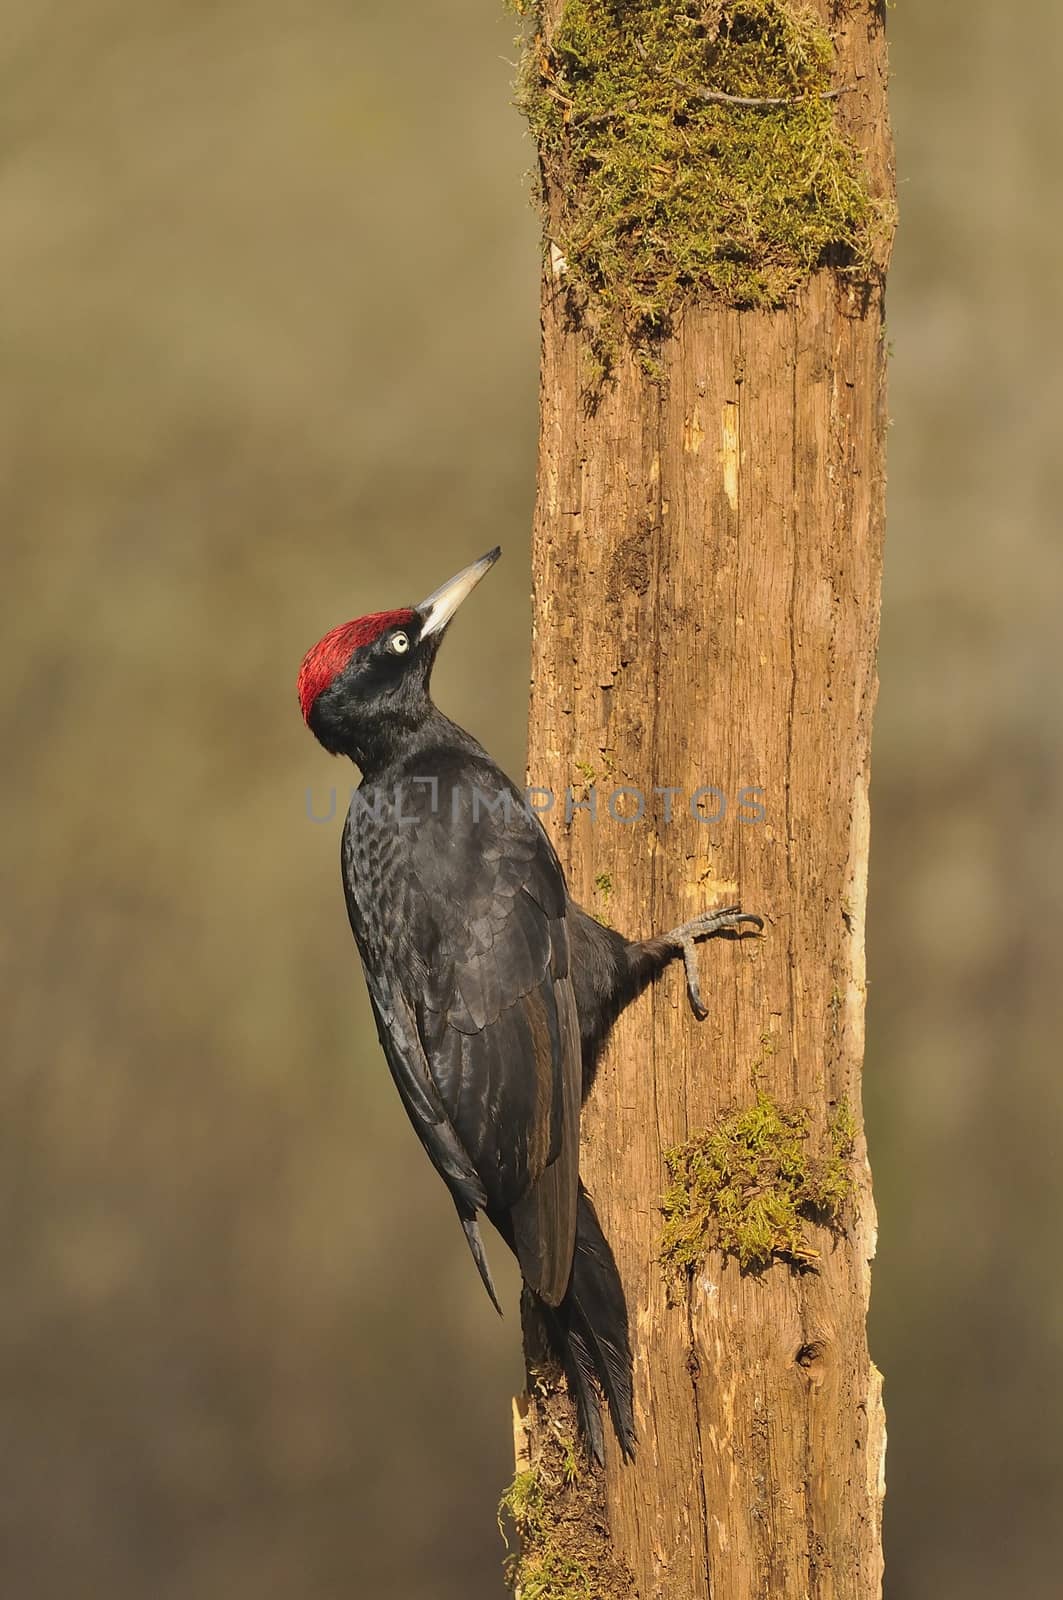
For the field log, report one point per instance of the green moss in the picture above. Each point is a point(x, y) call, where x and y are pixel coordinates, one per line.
point(661, 195)
point(542, 1570)
point(553, 1576)
point(556, 1507)
point(569, 1460)
point(841, 1130)
point(522, 1502)
point(748, 1185)
point(588, 773)
point(603, 886)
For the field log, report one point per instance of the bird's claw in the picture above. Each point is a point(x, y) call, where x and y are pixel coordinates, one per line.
point(690, 962)
point(685, 939)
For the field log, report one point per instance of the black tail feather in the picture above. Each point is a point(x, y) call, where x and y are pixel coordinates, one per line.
point(479, 1255)
point(589, 1334)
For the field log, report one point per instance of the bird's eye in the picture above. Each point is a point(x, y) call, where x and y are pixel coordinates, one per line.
point(400, 643)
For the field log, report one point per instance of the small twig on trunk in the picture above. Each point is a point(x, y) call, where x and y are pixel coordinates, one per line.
point(716, 97)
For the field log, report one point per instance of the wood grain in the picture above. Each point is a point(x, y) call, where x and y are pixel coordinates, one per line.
point(707, 560)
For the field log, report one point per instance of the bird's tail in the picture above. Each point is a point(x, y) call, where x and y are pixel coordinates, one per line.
point(588, 1332)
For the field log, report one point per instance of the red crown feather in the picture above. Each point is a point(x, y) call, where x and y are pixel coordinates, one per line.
point(332, 654)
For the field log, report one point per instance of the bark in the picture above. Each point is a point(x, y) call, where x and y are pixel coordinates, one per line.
point(706, 558)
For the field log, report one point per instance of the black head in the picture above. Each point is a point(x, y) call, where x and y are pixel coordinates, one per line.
point(365, 685)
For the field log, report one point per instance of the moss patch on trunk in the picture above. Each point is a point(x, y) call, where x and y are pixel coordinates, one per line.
point(748, 1185)
point(556, 1507)
point(658, 193)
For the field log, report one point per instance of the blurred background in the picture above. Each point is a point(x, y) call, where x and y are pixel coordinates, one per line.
point(270, 338)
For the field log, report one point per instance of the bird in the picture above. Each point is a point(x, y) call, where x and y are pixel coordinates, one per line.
point(492, 990)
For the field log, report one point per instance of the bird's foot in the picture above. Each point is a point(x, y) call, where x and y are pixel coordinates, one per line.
point(685, 939)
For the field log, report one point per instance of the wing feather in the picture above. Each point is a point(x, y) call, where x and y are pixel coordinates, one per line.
point(477, 1016)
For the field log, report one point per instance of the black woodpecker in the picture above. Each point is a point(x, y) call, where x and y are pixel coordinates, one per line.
point(492, 989)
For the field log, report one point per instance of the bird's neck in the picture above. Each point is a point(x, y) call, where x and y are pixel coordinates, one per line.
point(400, 745)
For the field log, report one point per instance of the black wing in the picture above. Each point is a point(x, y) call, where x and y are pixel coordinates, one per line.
point(460, 918)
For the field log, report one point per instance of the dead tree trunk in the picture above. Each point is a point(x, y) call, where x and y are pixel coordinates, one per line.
point(706, 571)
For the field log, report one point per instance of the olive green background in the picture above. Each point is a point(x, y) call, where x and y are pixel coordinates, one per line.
point(269, 342)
